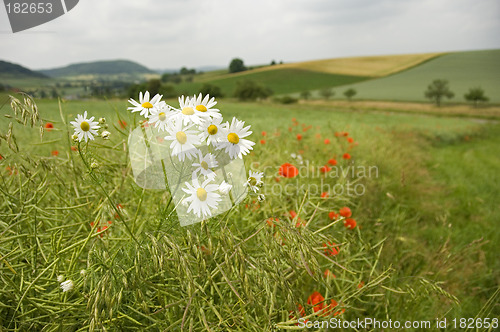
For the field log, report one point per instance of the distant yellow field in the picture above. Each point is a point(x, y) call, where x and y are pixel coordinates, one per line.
point(374, 66)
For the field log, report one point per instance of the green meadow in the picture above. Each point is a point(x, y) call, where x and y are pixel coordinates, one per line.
point(463, 70)
point(425, 245)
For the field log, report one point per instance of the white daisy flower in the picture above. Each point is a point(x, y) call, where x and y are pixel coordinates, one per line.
point(85, 128)
point(60, 278)
point(211, 130)
point(187, 113)
point(160, 116)
point(205, 106)
point(233, 139)
point(67, 285)
point(145, 105)
point(205, 165)
point(224, 188)
point(202, 197)
point(254, 181)
point(183, 140)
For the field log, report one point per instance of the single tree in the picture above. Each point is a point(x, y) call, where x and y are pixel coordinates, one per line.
point(236, 65)
point(476, 95)
point(327, 93)
point(349, 93)
point(305, 94)
point(437, 90)
point(273, 63)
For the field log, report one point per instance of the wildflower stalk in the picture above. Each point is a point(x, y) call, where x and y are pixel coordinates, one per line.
point(96, 181)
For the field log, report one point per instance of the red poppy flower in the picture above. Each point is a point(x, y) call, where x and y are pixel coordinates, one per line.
point(294, 120)
point(330, 249)
point(316, 300)
point(301, 312)
point(272, 221)
point(122, 124)
point(346, 134)
point(73, 148)
point(288, 170)
point(332, 162)
point(325, 169)
point(292, 214)
point(262, 141)
point(277, 179)
point(290, 129)
point(337, 134)
point(327, 141)
point(346, 156)
point(1, 157)
point(329, 310)
point(361, 284)
point(49, 126)
point(55, 153)
point(324, 195)
point(350, 223)
point(340, 312)
point(299, 137)
point(345, 212)
point(332, 215)
point(264, 133)
point(318, 135)
point(350, 139)
point(300, 223)
point(328, 274)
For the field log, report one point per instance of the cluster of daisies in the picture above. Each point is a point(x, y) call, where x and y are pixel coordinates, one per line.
point(196, 124)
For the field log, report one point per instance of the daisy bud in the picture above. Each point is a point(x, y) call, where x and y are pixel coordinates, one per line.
point(83, 273)
point(74, 137)
point(105, 134)
point(106, 126)
point(60, 278)
point(102, 120)
point(261, 198)
point(224, 188)
point(67, 285)
point(94, 165)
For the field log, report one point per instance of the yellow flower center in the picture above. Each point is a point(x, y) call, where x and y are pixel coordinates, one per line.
point(147, 105)
point(252, 181)
point(202, 194)
point(181, 137)
point(233, 138)
point(188, 111)
point(162, 116)
point(85, 126)
point(212, 129)
point(201, 108)
point(204, 164)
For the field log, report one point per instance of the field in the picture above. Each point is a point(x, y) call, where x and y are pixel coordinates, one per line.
point(423, 247)
point(282, 81)
point(463, 70)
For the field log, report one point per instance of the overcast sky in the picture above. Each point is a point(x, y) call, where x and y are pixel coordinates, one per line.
point(192, 33)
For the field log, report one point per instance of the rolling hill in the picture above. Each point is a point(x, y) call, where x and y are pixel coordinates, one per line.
point(463, 70)
point(311, 75)
point(12, 70)
point(99, 68)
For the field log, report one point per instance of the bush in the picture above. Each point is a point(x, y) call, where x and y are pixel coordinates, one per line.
point(305, 94)
point(327, 93)
point(286, 100)
point(249, 90)
point(212, 90)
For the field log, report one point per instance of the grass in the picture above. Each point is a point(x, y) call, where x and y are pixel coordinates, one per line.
point(433, 206)
point(463, 70)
